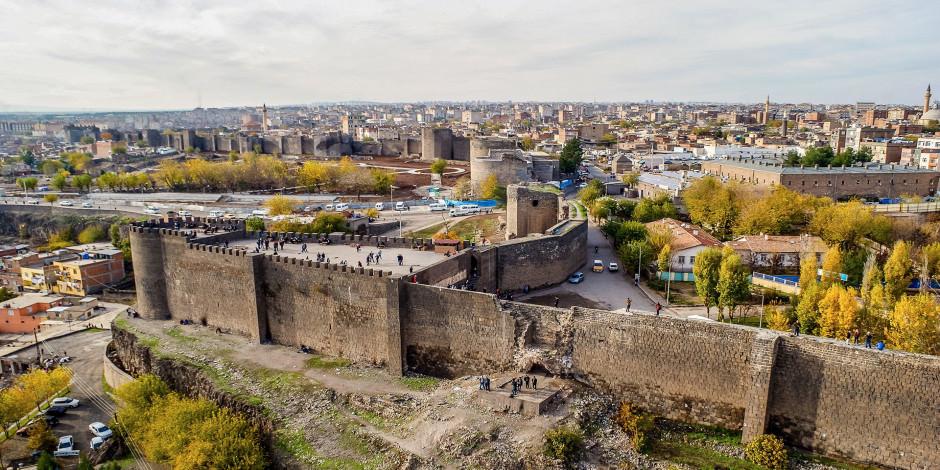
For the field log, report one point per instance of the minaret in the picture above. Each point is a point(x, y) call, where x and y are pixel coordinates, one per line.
point(264, 118)
point(767, 110)
point(927, 100)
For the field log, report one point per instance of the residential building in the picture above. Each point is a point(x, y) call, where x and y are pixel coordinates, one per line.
point(773, 254)
point(96, 268)
point(887, 151)
point(25, 313)
point(687, 242)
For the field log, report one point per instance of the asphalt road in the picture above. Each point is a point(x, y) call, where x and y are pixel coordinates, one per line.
point(87, 350)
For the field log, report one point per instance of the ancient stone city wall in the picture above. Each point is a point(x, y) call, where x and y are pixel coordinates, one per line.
point(867, 405)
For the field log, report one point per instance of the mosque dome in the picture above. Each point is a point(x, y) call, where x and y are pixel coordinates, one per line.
point(932, 115)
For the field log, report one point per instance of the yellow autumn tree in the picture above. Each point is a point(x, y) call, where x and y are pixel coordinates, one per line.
point(831, 267)
point(915, 324)
point(838, 311)
point(281, 205)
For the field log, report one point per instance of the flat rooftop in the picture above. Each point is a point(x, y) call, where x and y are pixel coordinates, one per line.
point(776, 167)
point(337, 253)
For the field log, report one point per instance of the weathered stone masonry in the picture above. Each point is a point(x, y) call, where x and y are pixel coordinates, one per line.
point(867, 405)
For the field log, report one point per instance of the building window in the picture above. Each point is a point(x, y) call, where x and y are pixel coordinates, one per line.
point(691, 260)
point(682, 260)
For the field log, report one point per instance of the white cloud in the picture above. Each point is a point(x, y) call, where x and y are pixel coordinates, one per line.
point(163, 54)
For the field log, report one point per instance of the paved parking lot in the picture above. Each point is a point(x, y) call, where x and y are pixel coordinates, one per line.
point(87, 350)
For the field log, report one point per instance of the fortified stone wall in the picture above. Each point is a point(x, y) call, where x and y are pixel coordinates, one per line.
point(866, 405)
point(335, 311)
point(529, 210)
point(542, 260)
point(448, 271)
point(448, 332)
point(680, 369)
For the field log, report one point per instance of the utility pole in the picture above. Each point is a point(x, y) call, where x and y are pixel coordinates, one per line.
point(36, 339)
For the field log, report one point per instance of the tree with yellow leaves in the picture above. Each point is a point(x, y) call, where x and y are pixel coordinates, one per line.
point(807, 310)
point(29, 390)
point(915, 324)
point(281, 205)
point(831, 267)
point(313, 175)
point(898, 271)
point(838, 311)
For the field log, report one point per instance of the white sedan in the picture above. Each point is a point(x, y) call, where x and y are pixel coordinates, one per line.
point(66, 203)
point(65, 401)
point(66, 447)
point(100, 430)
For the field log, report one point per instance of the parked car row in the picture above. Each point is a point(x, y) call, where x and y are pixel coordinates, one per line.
point(66, 446)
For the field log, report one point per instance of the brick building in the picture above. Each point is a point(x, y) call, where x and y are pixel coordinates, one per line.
point(872, 180)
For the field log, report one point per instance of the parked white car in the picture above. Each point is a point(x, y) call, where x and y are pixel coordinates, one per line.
point(459, 211)
point(96, 443)
point(184, 213)
point(66, 447)
point(437, 207)
point(65, 401)
point(342, 207)
point(152, 211)
point(380, 206)
point(401, 206)
point(100, 429)
point(87, 205)
point(216, 214)
point(67, 203)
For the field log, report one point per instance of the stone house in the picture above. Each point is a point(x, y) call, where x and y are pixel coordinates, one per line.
point(777, 253)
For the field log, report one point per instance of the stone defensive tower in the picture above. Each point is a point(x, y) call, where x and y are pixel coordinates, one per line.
point(437, 142)
point(529, 210)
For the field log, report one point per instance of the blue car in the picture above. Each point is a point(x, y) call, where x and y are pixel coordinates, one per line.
point(576, 278)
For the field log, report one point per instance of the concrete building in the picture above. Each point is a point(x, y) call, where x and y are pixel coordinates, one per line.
point(928, 152)
point(471, 117)
point(25, 313)
point(887, 151)
point(622, 163)
point(872, 180)
point(90, 273)
point(593, 132)
point(530, 210)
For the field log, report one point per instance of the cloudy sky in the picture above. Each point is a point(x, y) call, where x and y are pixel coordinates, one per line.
point(169, 54)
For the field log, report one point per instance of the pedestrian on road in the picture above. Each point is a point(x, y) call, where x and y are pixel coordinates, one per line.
point(556, 301)
point(401, 259)
point(855, 334)
point(526, 379)
point(868, 337)
point(796, 328)
point(629, 302)
point(535, 381)
point(595, 249)
point(658, 308)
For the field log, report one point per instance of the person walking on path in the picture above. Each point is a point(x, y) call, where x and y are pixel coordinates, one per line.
point(868, 337)
point(556, 301)
point(535, 381)
point(658, 308)
point(855, 335)
point(401, 259)
point(526, 379)
point(796, 328)
point(629, 303)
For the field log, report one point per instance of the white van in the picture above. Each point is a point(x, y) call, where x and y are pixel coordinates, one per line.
point(459, 211)
point(259, 212)
point(216, 214)
point(380, 206)
point(329, 207)
point(401, 206)
point(437, 207)
point(342, 207)
point(471, 208)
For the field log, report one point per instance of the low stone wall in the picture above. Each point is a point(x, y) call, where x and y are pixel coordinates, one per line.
point(114, 376)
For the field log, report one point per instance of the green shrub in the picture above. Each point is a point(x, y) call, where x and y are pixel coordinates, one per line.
point(254, 224)
point(91, 234)
point(635, 423)
point(767, 450)
point(564, 443)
